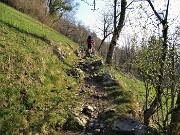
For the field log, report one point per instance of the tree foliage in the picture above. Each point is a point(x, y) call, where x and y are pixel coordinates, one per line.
point(59, 6)
point(157, 62)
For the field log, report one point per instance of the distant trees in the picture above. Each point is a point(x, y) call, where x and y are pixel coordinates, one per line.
point(107, 28)
point(35, 8)
point(58, 7)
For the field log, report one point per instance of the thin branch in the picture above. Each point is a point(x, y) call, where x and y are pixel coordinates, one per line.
point(167, 11)
point(155, 12)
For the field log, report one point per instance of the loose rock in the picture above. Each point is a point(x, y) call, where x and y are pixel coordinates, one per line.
point(97, 131)
point(132, 126)
point(81, 121)
point(87, 110)
point(107, 113)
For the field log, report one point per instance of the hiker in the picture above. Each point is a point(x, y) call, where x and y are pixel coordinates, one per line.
point(90, 44)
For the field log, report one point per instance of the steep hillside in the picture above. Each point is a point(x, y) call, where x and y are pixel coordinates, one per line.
point(46, 86)
point(35, 87)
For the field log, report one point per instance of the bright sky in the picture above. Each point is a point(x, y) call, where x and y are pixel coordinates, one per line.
point(90, 18)
point(86, 14)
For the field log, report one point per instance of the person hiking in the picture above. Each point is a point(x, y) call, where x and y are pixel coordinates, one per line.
point(90, 44)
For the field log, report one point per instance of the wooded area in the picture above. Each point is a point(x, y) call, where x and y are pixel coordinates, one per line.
point(155, 58)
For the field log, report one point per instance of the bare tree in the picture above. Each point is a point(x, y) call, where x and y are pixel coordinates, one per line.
point(107, 28)
point(117, 29)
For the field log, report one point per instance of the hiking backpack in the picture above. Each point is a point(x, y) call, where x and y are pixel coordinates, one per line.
point(89, 40)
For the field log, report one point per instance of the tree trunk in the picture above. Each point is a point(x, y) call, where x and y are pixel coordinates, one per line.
point(102, 41)
point(116, 32)
point(175, 118)
point(152, 109)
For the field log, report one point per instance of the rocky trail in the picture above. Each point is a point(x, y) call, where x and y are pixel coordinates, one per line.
point(97, 102)
point(91, 117)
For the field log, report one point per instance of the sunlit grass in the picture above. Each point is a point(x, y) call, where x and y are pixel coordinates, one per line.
point(33, 90)
point(125, 95)
point(28, 25)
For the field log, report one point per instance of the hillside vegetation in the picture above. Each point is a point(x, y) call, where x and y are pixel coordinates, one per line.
point(38, 76)
point(33, 78)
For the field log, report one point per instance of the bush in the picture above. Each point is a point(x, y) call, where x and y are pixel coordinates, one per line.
point(35, 8)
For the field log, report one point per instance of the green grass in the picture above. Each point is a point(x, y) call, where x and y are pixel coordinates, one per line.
point(126, 94)
point(28, 25)
point(34, 82)
point(135, 86)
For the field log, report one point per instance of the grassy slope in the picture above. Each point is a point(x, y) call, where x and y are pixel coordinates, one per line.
point(129, 92)
point(33, 80)
point(36, 92)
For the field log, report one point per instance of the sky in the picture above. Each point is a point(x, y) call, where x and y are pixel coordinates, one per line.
point(86, 14)
point(90, 18)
